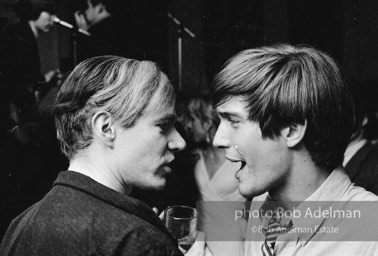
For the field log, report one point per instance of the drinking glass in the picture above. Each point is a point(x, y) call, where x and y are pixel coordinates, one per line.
point(181, 221)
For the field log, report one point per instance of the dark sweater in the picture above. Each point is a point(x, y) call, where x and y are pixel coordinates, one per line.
point(362, 168)
point(82, 217)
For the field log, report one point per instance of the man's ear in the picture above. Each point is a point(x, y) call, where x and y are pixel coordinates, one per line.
point(294, 134)
point(103, 127)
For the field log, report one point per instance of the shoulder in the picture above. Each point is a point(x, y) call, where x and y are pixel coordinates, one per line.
point(367, 154)
point(82, 226)
point(107, 26)
point(145, 240)
point(356, 193)
point(373, 154)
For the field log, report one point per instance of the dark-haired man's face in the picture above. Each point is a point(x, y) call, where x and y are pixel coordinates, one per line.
point(265, 162)
point(92, 13)
point(45, 21)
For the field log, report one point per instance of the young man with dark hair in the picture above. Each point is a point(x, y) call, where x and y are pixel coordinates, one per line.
point(287, 116)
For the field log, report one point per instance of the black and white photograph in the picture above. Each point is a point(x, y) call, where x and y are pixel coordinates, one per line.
point(188, 127)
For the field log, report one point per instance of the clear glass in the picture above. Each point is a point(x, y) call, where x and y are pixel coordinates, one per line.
point(181, 221)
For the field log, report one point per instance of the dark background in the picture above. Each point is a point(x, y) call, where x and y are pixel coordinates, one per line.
point(347, 29)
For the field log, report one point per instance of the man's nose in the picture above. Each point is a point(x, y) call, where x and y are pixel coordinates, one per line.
point(221, 139)
point(176, 143)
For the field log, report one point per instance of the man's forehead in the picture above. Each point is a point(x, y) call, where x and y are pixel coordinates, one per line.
point(235, 105)
point(159, 111)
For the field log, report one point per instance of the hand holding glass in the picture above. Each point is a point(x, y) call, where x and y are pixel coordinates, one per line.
point(181, 221)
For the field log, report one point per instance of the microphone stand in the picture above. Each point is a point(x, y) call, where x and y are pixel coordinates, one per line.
point(180, 29)
point(74, 46)
point(74, 30)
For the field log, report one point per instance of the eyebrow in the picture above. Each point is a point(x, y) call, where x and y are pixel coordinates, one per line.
point(167, 118)
point(226, 115)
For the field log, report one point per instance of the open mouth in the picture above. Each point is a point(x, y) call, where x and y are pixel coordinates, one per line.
point(243, 164)
point(164, 171)
point(232, 160)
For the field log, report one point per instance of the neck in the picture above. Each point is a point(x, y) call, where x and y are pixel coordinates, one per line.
point(94, 167)
point(33, 28)
point(101, 17)
point(303, 180)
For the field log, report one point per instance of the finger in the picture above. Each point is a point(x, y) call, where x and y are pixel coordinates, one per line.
point(79, 17)
point(199, 245)
point(182, 250)
point(208, 252)
point(162, 215)
point(78, 13)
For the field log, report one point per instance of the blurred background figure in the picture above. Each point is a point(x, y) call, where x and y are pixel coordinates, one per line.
point(213, 173)
point(214, 176)
point(20, 65)
point(98, 19)
point(23, 86)
point(361, 155)
point(132, 29)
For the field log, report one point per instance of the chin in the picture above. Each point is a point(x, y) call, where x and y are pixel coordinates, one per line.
point(159, 188)
point(158, 185)
point(248, 193)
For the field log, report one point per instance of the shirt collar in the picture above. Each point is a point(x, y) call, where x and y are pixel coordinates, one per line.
point(329, 191)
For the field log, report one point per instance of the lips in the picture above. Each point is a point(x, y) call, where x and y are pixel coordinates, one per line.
point(236, 160)
point(166, 167)
point(166, 170)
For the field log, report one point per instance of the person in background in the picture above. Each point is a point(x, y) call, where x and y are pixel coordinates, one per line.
point(115, 121)
point(22, 87)
point(214, 175)
point(287, 117)
point(20, 63)
point(133, 29)
point(361, 155)
point(98, 19)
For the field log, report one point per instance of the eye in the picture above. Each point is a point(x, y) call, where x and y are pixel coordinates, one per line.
point(233, 122)
point(165, 127)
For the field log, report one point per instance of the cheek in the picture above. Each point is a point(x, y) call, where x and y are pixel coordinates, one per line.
point(262, 153)
point(155, 145)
